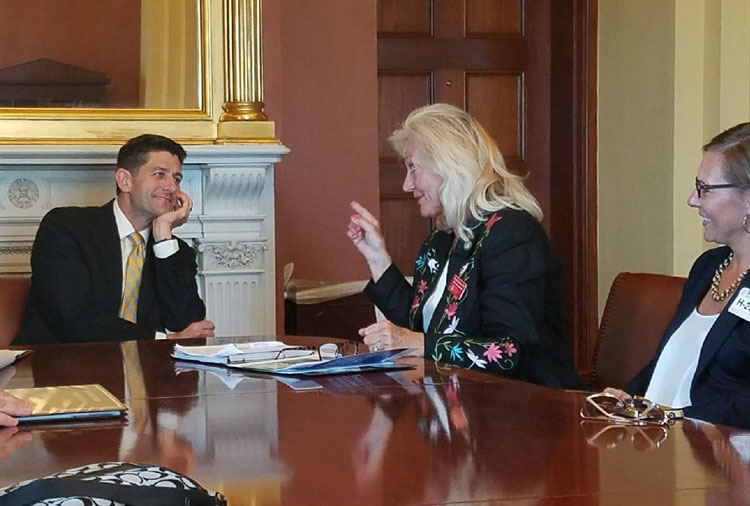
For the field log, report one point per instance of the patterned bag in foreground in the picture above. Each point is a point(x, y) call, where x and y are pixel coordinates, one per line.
point(111, 484)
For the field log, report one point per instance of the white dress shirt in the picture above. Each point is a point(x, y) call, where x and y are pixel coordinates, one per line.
point(163, 249)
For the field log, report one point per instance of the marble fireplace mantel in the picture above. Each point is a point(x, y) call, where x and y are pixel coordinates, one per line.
point(231, 226)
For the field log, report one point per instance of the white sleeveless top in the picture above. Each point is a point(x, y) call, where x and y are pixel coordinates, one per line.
point(674, 371)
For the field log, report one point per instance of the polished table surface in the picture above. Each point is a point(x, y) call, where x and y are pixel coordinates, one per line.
point(430, 435)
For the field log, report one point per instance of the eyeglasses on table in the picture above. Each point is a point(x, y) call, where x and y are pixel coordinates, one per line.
point(637, 410)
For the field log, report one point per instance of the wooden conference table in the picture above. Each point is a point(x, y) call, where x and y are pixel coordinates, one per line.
point(423, 436)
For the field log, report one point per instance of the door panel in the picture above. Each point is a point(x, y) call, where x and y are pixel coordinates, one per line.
point(404, 17)
point(493, 17)
point(399, 93)
point(495, 99)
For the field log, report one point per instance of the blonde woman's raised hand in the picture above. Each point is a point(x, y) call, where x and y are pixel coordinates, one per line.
point(364, 232)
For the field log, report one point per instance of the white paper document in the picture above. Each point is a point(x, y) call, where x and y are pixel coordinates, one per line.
point(240, 353)
point(349, 364)
point(7, 357)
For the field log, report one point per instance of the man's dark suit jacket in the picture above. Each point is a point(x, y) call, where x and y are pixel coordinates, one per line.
point(501, 310)
point(76, 283)
point(720, 391)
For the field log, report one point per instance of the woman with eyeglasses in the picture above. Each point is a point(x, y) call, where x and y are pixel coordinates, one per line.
point(702, 364)
point(487, 286)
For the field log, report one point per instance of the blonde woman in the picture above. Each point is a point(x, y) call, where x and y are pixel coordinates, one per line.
point(487, 286)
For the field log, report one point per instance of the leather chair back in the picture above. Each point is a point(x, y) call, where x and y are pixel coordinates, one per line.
point(638, 310)
point(14, 290)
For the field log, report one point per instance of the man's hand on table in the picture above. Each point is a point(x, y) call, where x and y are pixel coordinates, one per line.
point(201, 328)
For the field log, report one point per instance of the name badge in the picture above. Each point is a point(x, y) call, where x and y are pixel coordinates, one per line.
point(741, 305)
point(457, 287)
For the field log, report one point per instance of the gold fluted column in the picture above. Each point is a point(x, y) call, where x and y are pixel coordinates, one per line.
point(243, 115)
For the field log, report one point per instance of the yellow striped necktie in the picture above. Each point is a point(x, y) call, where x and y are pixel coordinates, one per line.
point(135, 384)
point(132, 284)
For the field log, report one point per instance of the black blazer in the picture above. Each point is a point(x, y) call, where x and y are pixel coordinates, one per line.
point(501, 309)
point(76, 283)
point(720, 391)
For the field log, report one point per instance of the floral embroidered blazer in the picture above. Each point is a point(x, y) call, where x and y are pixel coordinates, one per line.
point(501, 307)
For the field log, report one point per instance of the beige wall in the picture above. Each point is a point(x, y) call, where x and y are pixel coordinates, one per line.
point(636, 115)
point(672, 73)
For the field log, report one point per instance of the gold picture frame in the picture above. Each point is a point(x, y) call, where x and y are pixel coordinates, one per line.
point(230, 31)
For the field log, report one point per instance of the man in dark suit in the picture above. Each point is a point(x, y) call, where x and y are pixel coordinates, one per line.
point(116, 272)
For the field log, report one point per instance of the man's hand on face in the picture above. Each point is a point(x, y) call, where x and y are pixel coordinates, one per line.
point(163, 225)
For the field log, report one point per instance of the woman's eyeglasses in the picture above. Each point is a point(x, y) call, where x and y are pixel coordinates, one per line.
point(701, 187)
point(606, 407)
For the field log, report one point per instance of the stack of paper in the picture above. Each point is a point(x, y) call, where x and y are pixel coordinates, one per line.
point(241, 353)
point(373, 361)
point(278, 358)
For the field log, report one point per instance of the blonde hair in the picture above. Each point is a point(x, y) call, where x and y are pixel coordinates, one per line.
point(476, 181)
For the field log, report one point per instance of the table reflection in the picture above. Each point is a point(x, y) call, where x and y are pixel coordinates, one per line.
point(425, 442)
point(11, 439)
point(727, 450)
point(640, 437)
point(404, 437)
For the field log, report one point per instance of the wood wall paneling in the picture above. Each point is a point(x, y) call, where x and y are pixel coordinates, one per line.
point(486, 18)
point(495, 99)
point(398, 94)
point(505, 53)
point(404, 18)
point(536, 164)
point(573, 150)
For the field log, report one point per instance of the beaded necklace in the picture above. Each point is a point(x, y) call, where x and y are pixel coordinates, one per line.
point(720, 296)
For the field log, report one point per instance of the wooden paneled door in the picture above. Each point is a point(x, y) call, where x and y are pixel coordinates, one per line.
point(522, 68)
